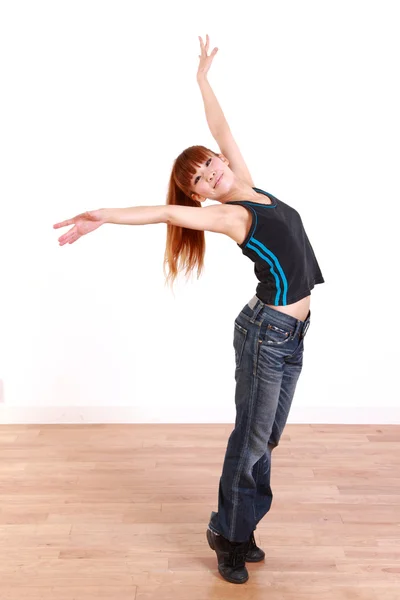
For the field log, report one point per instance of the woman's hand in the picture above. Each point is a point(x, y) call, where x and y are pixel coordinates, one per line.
point(205, 61)
point(83, 223)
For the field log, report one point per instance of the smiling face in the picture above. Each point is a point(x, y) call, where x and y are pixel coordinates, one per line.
point(207, 181)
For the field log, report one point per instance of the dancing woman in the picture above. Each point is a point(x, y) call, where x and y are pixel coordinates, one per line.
point(269, 331)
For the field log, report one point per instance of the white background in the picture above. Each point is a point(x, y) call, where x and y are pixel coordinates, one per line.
point(97, 100)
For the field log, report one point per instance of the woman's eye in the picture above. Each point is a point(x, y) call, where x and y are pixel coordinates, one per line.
point(209, 160)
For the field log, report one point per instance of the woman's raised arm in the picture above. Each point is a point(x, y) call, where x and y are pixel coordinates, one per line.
point(214, 115)
point(217, 123)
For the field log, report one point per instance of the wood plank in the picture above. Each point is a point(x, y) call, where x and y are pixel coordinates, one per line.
point(117, 512)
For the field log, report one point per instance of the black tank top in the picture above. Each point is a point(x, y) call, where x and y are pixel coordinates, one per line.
point(284, 261)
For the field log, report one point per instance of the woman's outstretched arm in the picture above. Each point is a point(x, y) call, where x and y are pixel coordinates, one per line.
point(218, 218)
point(91, 220)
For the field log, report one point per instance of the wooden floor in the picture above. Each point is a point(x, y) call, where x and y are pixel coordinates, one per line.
point(118, 512)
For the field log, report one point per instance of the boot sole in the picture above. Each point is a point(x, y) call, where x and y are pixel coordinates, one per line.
point(227, 578)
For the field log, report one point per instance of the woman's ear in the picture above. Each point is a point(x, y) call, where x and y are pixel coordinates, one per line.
point(223, 158)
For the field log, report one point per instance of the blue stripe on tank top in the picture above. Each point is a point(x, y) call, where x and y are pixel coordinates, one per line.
point(277, 265)
point(274, 258)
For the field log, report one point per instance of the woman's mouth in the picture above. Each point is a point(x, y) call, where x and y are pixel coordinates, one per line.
point(218, 180)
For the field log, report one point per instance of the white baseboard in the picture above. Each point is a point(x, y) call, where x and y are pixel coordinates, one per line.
point(129, 414)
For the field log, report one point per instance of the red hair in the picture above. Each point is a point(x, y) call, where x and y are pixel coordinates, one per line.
point(185, 248)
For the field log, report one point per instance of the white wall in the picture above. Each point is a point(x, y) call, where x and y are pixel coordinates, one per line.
point(97, 100)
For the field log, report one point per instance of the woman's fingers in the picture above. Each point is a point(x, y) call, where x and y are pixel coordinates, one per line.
point(62, 240)
point(204, 49)
point(63, 224)
point(66, 238)
point(69, 240)
point(73, 238)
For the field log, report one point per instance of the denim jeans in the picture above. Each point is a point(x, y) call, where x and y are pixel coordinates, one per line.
point(268, 348)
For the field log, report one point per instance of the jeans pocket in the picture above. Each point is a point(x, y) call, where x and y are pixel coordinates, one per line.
point(276, 336)
point(239, 340)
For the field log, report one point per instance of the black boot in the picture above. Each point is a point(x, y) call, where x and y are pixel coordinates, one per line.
point(254, 553)
point(231, 557)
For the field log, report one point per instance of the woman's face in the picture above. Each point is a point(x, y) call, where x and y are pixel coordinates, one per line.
point(207, 181)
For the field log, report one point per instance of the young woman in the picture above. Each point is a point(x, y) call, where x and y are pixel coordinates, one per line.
point(268, 332)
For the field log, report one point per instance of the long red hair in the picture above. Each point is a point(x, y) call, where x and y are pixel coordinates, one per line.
point(185, 248)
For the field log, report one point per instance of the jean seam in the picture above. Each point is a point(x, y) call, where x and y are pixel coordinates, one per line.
point(235, 492)
point(255, 495)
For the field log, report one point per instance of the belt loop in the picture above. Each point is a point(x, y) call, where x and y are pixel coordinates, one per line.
point(296, 328)
point(305, 328)
point(251, 303)
point(258, 306)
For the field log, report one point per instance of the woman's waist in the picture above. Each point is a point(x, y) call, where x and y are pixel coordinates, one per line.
point(298, 310)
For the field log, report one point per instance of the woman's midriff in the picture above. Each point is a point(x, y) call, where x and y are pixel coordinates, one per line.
point(298, 310)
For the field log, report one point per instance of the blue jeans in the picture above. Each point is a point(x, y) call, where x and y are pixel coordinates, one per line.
point(269, 357)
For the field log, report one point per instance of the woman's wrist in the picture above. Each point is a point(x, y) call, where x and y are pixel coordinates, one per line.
point(103, 214)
